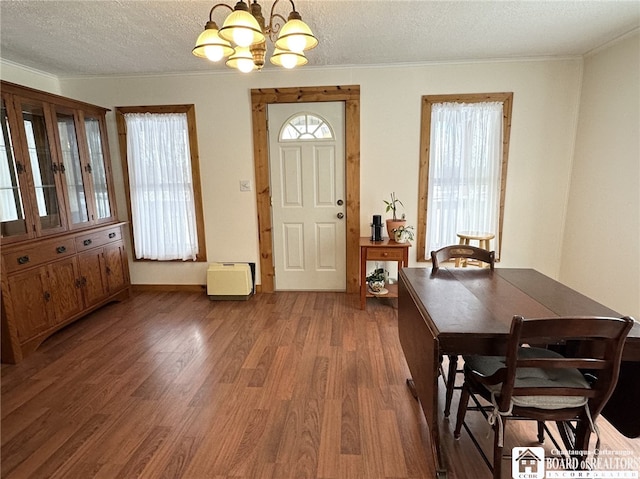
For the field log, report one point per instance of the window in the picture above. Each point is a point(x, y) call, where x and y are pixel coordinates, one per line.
point(306, 126)
point(463, 168)
point(162, 177)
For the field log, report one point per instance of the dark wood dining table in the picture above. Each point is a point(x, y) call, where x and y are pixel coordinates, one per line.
point(469, 311)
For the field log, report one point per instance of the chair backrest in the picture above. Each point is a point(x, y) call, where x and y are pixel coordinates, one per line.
point(592, 344)
point(461, 251)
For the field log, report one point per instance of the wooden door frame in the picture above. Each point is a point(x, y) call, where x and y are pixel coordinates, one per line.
point(260, 99)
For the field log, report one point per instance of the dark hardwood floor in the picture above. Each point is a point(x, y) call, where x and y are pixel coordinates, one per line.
point(172, 385)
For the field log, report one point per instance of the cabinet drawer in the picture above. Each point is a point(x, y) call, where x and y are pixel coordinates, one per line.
point(98, 238)
point(385, 254)
point(46, 251)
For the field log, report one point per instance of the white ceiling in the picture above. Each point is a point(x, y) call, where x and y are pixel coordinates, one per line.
point(110, 37)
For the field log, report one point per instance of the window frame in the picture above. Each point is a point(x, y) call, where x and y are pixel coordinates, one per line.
point(190, 111)
point(427, 102)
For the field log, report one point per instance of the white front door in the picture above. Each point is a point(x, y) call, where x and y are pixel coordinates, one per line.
point(307, 171)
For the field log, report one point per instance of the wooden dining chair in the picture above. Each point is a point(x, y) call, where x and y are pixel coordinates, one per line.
point(438, 257)
point(542, 385)
point(461, 252)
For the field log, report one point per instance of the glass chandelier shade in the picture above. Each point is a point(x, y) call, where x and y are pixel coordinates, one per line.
point(288, 59)
point(242, 60)
point(296, 36)
point(242, 38)
point(242, 28)
point(209, 44)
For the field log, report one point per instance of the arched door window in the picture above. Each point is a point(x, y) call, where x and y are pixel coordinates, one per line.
point(305, 126)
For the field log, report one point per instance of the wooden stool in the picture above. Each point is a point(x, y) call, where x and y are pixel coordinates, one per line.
point(466, 237)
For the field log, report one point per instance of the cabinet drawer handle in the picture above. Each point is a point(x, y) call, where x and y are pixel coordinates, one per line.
point(385, 254)
point(23, 259)
point(112, 235)
point(61, 249)
point(87, 242)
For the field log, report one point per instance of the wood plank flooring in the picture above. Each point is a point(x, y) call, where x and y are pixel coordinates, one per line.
point(172, 385)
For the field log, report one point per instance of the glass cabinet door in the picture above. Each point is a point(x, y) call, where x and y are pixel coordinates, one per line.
point(43, 169)
point(97, 168)
point(72, 168)
point(12, 176)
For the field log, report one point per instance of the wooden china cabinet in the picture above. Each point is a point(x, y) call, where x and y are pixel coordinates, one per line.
point(63, 250)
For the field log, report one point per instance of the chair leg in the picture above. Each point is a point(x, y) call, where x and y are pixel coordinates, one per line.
point(541, 432)
point(497, 449)
point(451, 382)
point(462, 410)
point(582, 433)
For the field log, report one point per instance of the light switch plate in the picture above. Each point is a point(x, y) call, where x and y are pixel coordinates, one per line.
point(245, 185)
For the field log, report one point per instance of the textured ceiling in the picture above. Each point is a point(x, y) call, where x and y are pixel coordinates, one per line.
point(109, 37)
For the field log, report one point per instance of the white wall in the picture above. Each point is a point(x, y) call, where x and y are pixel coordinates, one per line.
point(545, 108)
point(14, 73)
point(601, 249)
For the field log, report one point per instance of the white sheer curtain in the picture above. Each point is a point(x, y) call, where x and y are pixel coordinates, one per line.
point(162, 201)
point(464, 171)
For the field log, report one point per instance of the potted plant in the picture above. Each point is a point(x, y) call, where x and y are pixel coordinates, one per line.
point(396, 222)
point(376, 280)
point(403, 234)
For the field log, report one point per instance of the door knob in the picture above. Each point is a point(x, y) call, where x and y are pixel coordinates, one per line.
point(340, 202)
point(340, 215)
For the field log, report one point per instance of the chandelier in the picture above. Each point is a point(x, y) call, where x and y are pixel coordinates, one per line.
point(242, 38)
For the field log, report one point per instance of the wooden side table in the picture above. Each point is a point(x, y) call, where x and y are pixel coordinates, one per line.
point(483, 240)
point(385, 250)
